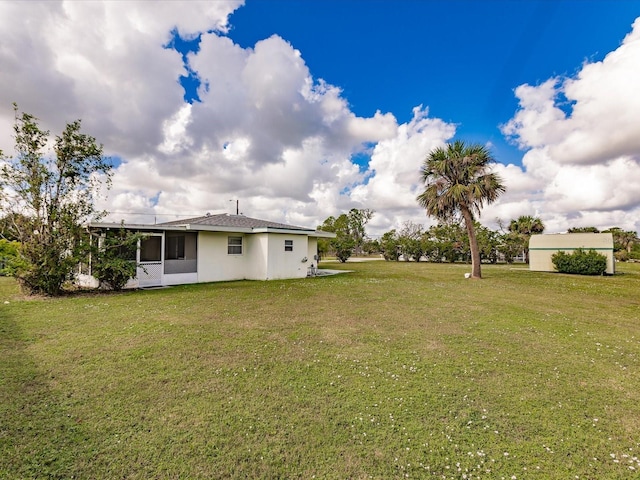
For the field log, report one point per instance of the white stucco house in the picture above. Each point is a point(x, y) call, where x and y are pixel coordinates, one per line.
point(542, 248)
point(217, 248)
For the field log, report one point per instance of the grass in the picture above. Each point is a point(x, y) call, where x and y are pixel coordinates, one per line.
point(395, 370)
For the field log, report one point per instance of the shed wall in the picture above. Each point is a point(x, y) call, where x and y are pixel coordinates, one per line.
point(542, 248)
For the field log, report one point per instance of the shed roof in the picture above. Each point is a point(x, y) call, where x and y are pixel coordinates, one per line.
point(569, 241)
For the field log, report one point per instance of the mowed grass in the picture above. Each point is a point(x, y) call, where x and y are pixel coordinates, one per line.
point(395, 370)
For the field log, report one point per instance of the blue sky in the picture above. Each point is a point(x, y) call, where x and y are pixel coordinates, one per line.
point(306, 109)
point(461, 58)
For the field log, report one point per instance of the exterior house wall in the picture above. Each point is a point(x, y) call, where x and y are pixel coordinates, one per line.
point(287, 264)
point(179, 278)
point(263, 257)
point(86, 281)
point(542, 248)
point(256, 261)
point(312, 252)
point(214, 263)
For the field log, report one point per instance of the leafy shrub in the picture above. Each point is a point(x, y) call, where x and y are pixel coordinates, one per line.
point(8, 256)
point(115, 260)
point(580, 262)
point(343, 247)
point(412, 249)
point(621, 255)
point(114, 273)
point(389, 246)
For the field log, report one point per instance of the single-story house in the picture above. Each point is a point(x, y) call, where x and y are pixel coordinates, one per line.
point(216, 248)
point(542, 247)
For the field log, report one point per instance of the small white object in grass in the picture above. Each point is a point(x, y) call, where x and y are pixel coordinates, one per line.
point(467, 275)
point(6, 302)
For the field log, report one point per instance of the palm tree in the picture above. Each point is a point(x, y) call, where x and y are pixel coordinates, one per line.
point(524, 227)
point(622, 241)
point(458, 181)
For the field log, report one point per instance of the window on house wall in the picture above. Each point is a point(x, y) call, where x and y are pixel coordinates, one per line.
point(288, 245)
point(234, 247)
point(174, 247)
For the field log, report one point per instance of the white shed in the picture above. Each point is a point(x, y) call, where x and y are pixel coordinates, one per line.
point(542, 247)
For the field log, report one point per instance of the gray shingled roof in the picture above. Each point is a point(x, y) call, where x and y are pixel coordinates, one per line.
point(236, 221)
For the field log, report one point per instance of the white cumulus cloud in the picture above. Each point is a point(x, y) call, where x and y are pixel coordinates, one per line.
point(270, 134)
point(582, 160)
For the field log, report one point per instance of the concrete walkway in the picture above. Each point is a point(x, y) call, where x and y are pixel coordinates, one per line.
point(323, 272)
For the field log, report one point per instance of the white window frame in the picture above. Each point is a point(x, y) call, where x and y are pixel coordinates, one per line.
point(288, 245)
point(231, 247)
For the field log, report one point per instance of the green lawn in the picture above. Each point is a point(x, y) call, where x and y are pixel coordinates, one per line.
point(396, 370)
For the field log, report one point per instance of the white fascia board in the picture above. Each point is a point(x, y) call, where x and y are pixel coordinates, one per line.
point(281, 230)
point(136, 226)
point(173, 228)
point(321, 234)
point(214, 228)
point(249, 230)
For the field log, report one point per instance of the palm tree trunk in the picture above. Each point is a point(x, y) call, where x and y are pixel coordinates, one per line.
point(473, 243)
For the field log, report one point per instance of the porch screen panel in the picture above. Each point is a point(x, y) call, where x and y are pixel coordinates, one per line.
point(151, 249)
point(181, 255)
point(174, 247)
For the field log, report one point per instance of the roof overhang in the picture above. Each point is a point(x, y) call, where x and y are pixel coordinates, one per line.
point(211, 228)
point(321, 234)
point(135, 226)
